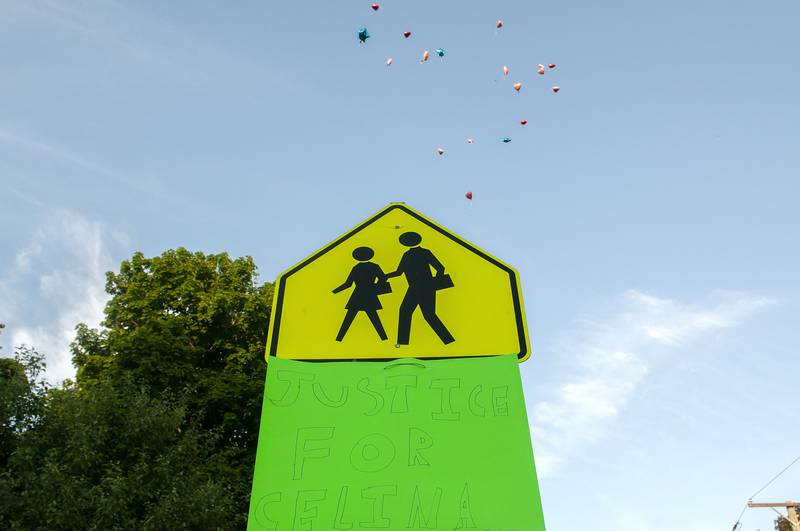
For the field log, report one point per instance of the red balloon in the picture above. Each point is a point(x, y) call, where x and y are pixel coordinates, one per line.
point(551, 66)
point(468, 195)
point(375, 7)
point(523, 122)
point(406, 34)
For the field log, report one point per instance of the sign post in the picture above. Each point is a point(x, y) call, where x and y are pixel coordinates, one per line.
point(429, 431)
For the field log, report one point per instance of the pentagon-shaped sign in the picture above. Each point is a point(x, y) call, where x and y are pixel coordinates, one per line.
point(398, 286)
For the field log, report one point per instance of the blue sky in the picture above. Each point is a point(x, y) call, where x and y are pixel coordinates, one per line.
point(650, 206)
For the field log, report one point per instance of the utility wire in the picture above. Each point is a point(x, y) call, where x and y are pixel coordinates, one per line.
point(738, 523)
point(776, 477)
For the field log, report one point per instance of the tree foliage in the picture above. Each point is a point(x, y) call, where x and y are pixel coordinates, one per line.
point(159, 429)
point(22, 393)
point(783, 524)
point(184, 321)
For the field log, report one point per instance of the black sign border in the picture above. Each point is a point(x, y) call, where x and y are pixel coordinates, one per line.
point(515, 292)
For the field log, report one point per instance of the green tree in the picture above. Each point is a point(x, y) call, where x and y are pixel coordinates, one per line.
point(783, 524)
point(22, 393)
point(159, 429)
point(117, 458)
point(186, 322)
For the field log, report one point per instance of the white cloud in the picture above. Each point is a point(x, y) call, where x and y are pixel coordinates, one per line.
point(610, 359)
point(56, 282)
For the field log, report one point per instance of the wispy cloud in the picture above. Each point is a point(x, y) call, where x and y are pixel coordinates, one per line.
point(63, 155)
point(613, 353)
point(135, 35)
point(56, 281)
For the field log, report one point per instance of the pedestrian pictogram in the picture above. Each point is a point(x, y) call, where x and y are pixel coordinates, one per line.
point(369, 280)
point(416, 265)
point(398, 286)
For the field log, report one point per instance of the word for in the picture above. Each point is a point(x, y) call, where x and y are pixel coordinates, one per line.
point(399, 393)
point(370, 510)
point(371, 453)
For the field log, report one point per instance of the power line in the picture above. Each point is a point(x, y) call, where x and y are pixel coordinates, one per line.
point(776, 477)
point(738, 524)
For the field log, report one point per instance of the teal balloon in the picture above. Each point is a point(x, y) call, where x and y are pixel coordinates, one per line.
point(506, 140)
point(363, 35)
point(440, 52)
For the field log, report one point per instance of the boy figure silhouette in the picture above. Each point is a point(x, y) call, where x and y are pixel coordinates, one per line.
point(416, 265)
point(366, 276)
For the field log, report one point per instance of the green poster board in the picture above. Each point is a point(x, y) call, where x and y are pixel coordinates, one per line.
point(406, 444)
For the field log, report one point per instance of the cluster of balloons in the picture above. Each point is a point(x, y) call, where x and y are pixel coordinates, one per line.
point(541, 69)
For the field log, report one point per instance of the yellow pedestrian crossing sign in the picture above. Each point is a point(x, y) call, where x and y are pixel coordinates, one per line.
point(398, 286)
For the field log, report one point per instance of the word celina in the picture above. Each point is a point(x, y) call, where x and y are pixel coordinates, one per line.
point(339, 510)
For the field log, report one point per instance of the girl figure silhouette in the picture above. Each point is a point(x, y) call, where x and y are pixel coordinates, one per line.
point(370, 281)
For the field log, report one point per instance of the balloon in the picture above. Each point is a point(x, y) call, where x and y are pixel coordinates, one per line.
point(517, 86)
point(551, 66)
point(406, 34)
point(375, 7)
point(499, 24)
point(439, 151)
point(556, 88)
point(523, 122)
point(470, 140)
point(505, 70)
point(363, 35)
point(389, 62)
point(506, 140)
point(468, 195)
point(440, 52)
point(425, 56)
point(540, 70)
